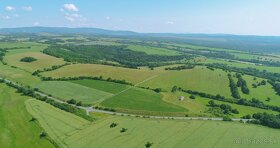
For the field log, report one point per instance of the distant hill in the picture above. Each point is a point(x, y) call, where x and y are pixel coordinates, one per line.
point(65, 30)
point(250, 43)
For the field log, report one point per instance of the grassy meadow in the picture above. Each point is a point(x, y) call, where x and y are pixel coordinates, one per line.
point(140, 100)
point(16, 128)
point(120, 73)
point(197, 79)
point(70, 131)
point(153, 50)
point(67, 90)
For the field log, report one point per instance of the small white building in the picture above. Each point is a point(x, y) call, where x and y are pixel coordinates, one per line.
point(181, 98)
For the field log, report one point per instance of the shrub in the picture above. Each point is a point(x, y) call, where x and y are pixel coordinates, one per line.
point(28, 59)
point(148, 144)
point(72, 101)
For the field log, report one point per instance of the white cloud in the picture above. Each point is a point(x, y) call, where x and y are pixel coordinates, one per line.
point(170, 22)
point(70, 7)
point(6, 17)
point(27, 8)
point(10, 8)
point(108, 18)
point(74, 17)
point(36, 24)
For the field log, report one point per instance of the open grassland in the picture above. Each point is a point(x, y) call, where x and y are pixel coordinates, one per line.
point(245, 65)
point(71, 131)
point(33, 45)
point(153, 50)
point(261, 92)
point(102, 85)
point(15, 126)
point(197, 47)
point(141, 100)
point(68, 90)
point(197, 79)
point(43, 60)
point(18, 75)
point(120, 73)
point(57, 123)
point(199, 105)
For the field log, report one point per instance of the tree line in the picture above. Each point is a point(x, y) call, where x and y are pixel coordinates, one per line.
point(233, 88)
point(242, 83)
point(253, 102)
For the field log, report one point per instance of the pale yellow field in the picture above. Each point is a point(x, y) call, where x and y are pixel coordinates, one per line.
point(120, 73)
point(43, 61)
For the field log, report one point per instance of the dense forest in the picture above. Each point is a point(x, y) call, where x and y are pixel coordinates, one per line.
point(103, 53)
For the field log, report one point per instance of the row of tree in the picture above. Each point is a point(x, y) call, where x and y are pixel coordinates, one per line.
point(233, 88)
point(242, 83)
point(276, 86)
point(100, 78)
point(253, 102)
point(248, 71)
point(182, 67)
point(54, 67)
point(266, 119)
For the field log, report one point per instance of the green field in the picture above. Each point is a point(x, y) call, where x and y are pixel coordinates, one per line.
point(153, 50)
point(15, 126)
point(67, 90)
point(140, 100)
point(18, 75)
point(70, 131)
point(43, 61)
point(102, 85)
point(197, 79)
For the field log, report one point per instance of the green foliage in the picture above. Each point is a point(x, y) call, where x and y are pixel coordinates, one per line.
point(233, 88)
point(112, 125)
point(148, 144)
point(99, 53)
point(180, 67)
point(266, 119)
point(72, 101)
point(123, 130)
point(28, 59)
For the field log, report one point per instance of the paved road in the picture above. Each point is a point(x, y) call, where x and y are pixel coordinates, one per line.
point(92, 109)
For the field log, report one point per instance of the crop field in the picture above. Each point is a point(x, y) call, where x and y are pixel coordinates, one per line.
point(15, 126)
point(140, 100)
point(18, 75)
point(198, 79)
point(153, 50)
point(71, 131)
point(109, 87)
point(68, 90)
point(131, 75)
point(43, 61)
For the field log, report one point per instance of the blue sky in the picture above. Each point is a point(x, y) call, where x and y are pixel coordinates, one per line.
point(254, 17)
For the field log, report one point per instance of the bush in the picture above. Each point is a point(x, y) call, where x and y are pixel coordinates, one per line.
point(123, 130)
point(113, 125)
point(148, 144)
point(226, 118)
point(72, 101)
point(43, 135)
point(79, 103)
point(28, 59)
point(192, 97)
